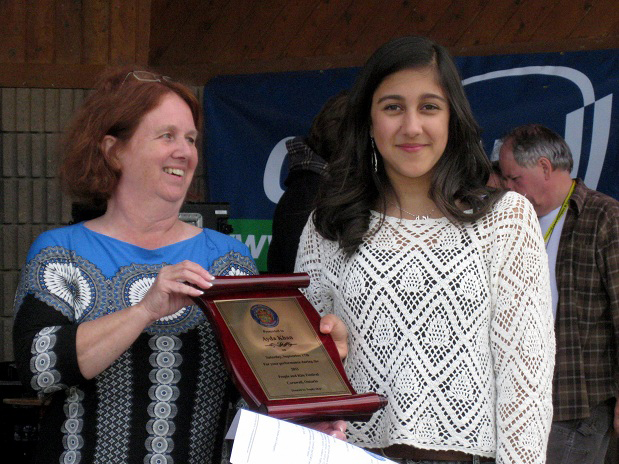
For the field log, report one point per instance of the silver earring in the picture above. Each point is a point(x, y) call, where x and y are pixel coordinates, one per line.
point(374, 157)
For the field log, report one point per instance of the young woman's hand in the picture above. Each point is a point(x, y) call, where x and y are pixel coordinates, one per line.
point(331, 324)
point(336, 429)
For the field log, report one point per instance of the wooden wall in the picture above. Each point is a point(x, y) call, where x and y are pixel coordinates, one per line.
point(203, 38)
point(65, 43)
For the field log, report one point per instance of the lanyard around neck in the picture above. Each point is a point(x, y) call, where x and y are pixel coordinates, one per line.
point(560, 213)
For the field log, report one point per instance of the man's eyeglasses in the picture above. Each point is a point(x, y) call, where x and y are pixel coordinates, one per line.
point(147, 76)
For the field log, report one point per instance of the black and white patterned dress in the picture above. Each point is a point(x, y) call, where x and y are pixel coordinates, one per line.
point(163, 400)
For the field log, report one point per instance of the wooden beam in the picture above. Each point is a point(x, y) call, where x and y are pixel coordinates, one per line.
point(142, 35)
point(61, 76)
point(96, 32)
point(200, 74)
point(85, 75)
point(68, 33)
point(545, 46)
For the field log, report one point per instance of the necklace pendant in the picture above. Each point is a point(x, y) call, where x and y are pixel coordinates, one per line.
point(416, 217)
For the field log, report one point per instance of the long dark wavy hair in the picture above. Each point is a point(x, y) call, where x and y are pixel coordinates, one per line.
point(352, 188)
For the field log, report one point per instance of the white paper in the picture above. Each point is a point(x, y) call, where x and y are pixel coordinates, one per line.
point(259, 439)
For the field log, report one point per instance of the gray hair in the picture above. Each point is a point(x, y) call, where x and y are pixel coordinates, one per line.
point(531, 142)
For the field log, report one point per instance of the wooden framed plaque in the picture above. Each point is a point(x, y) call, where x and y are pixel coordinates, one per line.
point(278, 359)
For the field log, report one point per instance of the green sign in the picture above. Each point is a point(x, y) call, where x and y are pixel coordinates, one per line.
point(256, 234)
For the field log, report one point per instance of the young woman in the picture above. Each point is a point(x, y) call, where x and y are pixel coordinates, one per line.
point(441, 281)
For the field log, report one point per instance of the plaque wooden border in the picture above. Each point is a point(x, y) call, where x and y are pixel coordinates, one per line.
point(346, 406)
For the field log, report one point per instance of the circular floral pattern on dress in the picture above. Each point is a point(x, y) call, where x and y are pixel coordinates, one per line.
point(233, 264)
point(166, 359)
point(165, 376)
point(48, 330)
point(159, 444)
point(42, 362)
point(70, 457)
point(163, 410)
point(72, 442)
point(73, 410)
point(72, 425)
point(161, 427)
point(43, 343)
point(165, 343)
point(137, 287)
point(158, 459)
point(163, 393)
point(45, 379)
point(68, 283)
point(131, 285)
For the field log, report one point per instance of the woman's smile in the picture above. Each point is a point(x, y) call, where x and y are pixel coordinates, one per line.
point(410, 124)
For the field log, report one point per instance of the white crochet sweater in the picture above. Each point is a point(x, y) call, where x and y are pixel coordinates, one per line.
point(452, 323)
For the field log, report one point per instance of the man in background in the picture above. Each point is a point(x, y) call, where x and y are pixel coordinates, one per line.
point(581, 231)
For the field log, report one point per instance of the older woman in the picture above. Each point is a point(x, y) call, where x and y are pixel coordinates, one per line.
point(442, 281)
point(104, 324)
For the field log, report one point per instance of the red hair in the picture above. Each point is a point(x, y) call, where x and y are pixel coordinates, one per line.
point(116, 108)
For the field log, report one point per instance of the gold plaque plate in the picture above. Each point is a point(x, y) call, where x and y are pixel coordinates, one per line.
point(282, 348)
